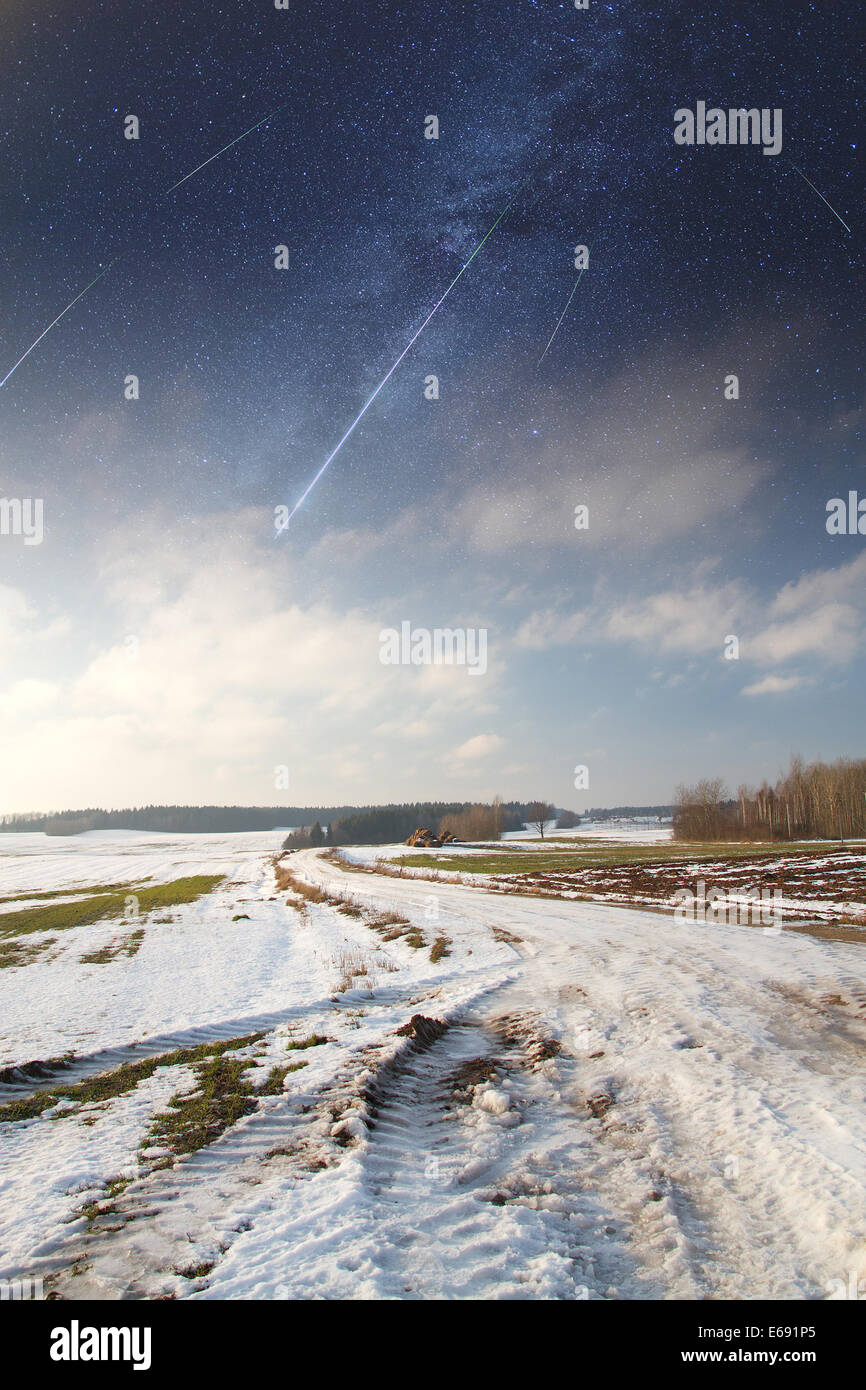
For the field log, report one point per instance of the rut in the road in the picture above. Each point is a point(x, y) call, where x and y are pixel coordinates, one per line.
point(458, 1156)
point(413, 1125)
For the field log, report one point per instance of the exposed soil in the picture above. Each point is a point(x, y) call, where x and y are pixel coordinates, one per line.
point(827, 887)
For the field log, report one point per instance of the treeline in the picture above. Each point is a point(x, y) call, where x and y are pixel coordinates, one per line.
point(627, 812)
point(381, 825)
point(466, 820)
point(814, 801)
point(387, 824)
point(172, 819)
point(358, 825)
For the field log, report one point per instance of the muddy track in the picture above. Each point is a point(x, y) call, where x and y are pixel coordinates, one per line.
point(448, 1161)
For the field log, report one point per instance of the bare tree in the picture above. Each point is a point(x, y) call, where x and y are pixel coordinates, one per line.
point(538, 814)
point(699, 812)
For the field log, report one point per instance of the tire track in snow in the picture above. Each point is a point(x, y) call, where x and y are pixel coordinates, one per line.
point(450, 1167)
point(455, 1189)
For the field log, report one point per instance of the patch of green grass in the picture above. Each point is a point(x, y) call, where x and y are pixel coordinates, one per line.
point(84, 911)
point(90, 1211)
point(107, 1204)
point(115, 1186)
point(15, 953)
point(440, 948)
point(61, 916)
point(222, 1097)
point(276, 1076)
point(89, 890)
point(198, 1271)
point(110, 1084)
point(314, 1040)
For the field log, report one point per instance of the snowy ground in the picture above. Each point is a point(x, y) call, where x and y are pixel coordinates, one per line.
point(631, 832)
point(620, 1105)
point(41, 863)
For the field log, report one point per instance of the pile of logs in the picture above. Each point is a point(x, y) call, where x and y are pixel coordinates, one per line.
point(428, 839)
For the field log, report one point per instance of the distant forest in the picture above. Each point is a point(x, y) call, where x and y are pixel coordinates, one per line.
point(187, 819)
point(467, 820)
point(345, 824)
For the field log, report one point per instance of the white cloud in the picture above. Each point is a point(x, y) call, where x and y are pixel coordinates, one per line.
point(642, 501)
point(228, 676)
point(28, 695)
point(481, 746)
point(22, 627)
point(541, 631)
point(819, 615)
point(696, 620)
point(775, 685)
point(832, 632)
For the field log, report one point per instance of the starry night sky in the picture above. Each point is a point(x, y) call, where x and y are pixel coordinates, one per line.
point(706, 516)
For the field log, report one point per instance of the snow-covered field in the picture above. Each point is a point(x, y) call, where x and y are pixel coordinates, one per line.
point(619, 1106)
point(638, 831)
point(631, 832)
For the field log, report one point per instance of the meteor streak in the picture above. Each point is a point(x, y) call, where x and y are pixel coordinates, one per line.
point(561, 317)
point(559, 320)
point(385, 379)
point(224, 148)
point(111, 263)
point(57, 320)
point(823, 199)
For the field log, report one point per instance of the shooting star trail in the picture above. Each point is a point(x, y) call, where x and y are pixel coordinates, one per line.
point(212, 157)
point(823, 199)
point(559, 320)
point(565, 310)
point(111, 263)
point(57, 320)
point(385, 379)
